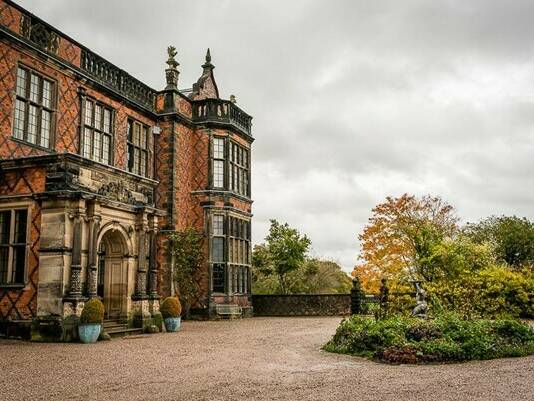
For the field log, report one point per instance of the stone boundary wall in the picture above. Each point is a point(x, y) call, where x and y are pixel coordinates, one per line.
point(301, 305)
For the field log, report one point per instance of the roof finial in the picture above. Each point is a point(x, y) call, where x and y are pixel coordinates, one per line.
point(207, 65)
point(208, 56)
point(172, 72)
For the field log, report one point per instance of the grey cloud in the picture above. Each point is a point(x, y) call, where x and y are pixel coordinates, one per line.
point(352, 100)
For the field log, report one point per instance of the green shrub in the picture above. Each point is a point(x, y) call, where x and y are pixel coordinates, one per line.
point(422, 330)
point(152, 329)
point(397, 354)
point(513, 330)
point(400, 339)
point(170, 307)
point(402, 303)
point(495, 291)
point(360, 334)
point(93, 311)
point(370, 308)
point(442, 350)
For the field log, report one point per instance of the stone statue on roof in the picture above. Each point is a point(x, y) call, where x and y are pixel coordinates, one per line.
point(171, 51)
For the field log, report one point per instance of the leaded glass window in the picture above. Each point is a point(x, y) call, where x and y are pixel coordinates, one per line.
point(239, 253)
point(218, 162)
point(235, 159)
point(218, 249)
point(33, 117)
point(218, 252)
point(239, 169)
point(218, 277)
point(218, 224)
point(97, 132)
point(138, 142)
point(13, 245)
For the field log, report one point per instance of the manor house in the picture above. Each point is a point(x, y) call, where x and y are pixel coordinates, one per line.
point(97, 168)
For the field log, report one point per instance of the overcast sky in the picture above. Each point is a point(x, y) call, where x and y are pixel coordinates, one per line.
point(352, 100)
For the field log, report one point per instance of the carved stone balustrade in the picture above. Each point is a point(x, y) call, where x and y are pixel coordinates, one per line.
point(223, 112)
point(115, 78)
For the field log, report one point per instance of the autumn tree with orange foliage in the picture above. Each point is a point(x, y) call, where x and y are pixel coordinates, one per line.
point(398, 236)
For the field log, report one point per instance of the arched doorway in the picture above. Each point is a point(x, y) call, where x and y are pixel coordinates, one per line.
point(112, 283)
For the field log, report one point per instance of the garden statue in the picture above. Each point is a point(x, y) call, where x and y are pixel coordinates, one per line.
point(421, 307)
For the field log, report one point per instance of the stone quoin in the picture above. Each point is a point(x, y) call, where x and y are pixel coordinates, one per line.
point(97, 169)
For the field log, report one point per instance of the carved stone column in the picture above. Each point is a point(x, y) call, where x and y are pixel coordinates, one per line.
point(92, 272)
point(75, 290)
point(153, 271)
point(140, 283)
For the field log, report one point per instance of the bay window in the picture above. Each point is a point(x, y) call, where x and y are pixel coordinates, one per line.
point(234, 158)
point(230, 253)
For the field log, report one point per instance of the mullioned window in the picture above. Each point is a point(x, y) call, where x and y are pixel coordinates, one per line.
point(34, 108)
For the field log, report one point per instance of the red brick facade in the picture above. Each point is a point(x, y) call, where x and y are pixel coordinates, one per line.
point(177, 191)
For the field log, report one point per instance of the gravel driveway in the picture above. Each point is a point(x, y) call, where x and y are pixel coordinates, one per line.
point(250, 359)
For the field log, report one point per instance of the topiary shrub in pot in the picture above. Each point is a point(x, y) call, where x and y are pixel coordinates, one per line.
point(91, 321)
point(171, 310)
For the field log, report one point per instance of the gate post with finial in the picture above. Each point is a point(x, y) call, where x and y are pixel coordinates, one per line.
point(356, 295)
point(384, 298)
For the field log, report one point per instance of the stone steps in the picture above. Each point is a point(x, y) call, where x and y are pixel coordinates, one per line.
point(119, 328)
point(121, 332)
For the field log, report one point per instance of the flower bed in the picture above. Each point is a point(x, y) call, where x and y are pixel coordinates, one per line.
point(447, 338)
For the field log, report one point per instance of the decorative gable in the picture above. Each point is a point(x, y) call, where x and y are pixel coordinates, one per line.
point(205, 87)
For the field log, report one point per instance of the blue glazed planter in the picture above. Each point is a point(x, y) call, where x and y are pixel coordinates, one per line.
point(89, 332)
point(172, 324)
